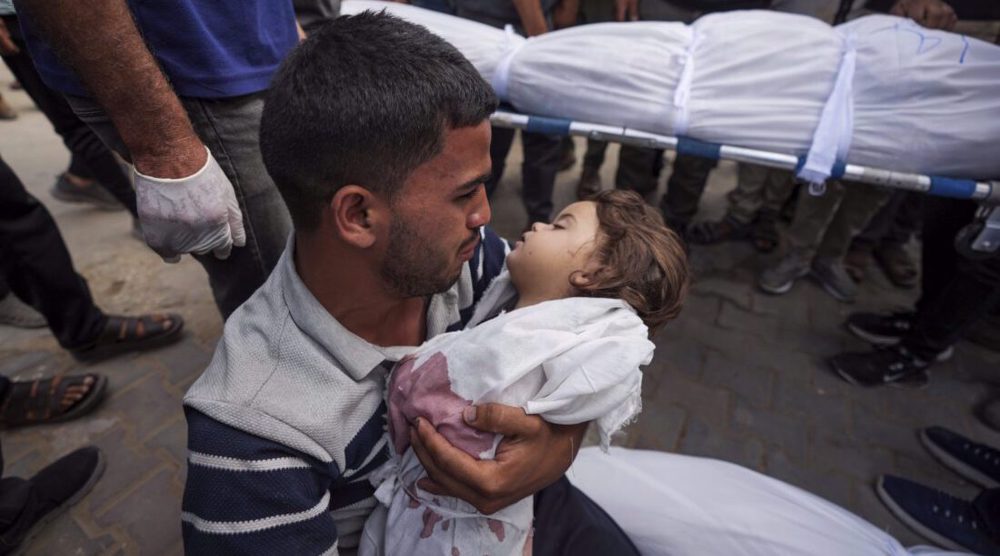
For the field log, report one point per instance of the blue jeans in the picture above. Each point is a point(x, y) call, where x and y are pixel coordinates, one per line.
point(230, 128)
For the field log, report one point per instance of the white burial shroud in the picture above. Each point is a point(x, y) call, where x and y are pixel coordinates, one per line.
point(879, 91)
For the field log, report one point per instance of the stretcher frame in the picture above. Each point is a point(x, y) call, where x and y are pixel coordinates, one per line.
point(985, 192)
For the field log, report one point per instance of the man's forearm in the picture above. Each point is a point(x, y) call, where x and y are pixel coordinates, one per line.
point(532, 17)
point(100, 41)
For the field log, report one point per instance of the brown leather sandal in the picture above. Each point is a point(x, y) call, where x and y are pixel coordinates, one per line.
point(122, 334)
point(34, 402)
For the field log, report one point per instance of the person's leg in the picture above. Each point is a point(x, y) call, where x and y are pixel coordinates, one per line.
point(942, 220)
point(590, 176)
point(79, 168)
point(35, 262)
point(500, 144)
point(684, 189)
point(744, 203)
point(639, 169)
point(968, 297)
point(859, 204)
point(813, 215)
point(594, 157)
point(748, 197)
point(230, 128)
point(569, 523)
point(542, 154)
point(890, 252)
point(78, 137)
point(37, 266)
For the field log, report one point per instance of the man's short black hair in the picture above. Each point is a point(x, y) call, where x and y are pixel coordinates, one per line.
point(364, 100)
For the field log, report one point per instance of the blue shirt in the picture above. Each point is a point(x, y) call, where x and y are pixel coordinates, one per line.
point(207, 48)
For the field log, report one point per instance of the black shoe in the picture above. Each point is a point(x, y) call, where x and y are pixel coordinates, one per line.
point(54, 489)
point(891, 365)
point(976, 462)
point(886, 330)
point(949, 522)
point(880, 329)
point(91, 194)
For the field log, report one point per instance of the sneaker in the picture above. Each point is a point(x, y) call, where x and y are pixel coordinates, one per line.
point(835, 279)
point(949, 522)
point(14, 312)
point(589, 184)
point(976, 462)
point(91, 194)
point(61, 484)
point(887, 330)
point(883, 366)
point(779, 278)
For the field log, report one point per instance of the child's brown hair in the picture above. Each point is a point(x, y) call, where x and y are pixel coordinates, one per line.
point(642, 262)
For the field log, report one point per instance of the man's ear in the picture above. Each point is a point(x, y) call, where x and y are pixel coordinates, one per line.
point(355, 213)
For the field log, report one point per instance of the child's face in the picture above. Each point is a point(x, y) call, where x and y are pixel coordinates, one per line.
point(542, 262)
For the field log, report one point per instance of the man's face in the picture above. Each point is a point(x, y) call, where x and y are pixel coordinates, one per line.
point(437, 215)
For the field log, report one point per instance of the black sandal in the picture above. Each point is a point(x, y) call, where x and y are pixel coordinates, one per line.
point(34, 402)
point(123, 334)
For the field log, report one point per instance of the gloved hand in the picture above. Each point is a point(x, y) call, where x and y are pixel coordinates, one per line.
point(197, 214)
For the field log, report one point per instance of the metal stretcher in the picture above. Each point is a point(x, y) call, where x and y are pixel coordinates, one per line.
point(982, 238)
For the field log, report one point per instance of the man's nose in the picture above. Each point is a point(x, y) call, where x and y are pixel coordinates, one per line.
point(481, 214)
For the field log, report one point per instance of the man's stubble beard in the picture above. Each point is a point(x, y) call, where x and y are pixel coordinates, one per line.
point(411, 268)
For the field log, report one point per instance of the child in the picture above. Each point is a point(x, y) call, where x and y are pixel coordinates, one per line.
point(561, 335)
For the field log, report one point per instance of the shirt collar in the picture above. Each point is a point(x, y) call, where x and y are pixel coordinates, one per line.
point(355, 355)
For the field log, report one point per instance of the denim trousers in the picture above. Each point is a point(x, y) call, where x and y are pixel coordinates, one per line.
point(230, 128)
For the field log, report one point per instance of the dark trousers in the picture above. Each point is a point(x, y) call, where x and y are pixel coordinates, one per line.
point(538, 172)
point(569, 523)
point(895, 223)
point(92, 159)
point(37, 267)
point(639, 170)
point(957, 291)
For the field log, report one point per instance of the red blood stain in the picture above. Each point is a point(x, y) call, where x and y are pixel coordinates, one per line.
point(497, 528)
point(430, 519)
point(455, 551)
point(426, 392)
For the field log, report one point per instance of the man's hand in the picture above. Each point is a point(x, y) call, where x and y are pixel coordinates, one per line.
point(933, 14)
point(532, 455)
point(196, 213)
point(626, 10)
point(7, 46)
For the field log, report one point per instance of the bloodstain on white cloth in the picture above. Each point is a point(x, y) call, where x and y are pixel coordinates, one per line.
point(425, 391)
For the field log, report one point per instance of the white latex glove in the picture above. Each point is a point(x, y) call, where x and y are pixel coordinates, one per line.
point(197, 214)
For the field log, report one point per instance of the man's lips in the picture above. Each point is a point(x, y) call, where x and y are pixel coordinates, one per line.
point(469, 249)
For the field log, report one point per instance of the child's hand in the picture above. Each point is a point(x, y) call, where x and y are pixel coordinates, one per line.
point(532, 455)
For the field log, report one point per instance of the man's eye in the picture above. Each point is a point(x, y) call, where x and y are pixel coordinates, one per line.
point(558, 226)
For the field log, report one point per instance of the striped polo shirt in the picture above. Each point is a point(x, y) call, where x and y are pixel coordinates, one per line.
point(287, 421)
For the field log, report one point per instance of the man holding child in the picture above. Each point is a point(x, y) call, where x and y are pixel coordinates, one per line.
point(377, 135)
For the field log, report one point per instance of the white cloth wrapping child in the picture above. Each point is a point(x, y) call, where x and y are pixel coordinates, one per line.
point(569, 361)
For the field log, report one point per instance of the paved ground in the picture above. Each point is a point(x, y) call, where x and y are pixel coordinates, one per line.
point(740, 376)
